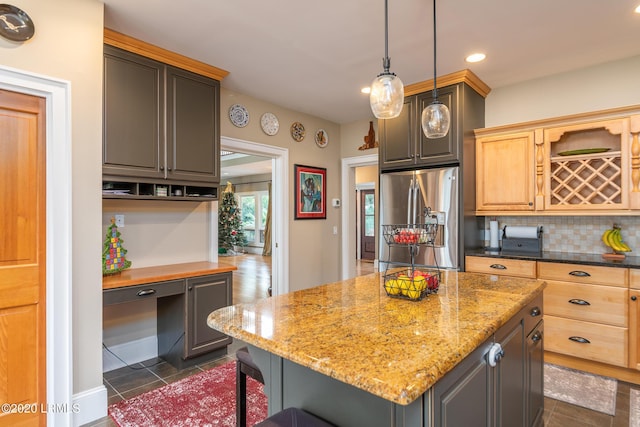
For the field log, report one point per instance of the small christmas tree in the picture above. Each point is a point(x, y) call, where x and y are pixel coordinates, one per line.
point(113, 254)
point(230, 232)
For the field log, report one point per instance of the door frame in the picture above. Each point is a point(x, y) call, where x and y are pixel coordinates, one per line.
point(279, 204)
point(348, 221)
point(359, 208)
point(59, 375)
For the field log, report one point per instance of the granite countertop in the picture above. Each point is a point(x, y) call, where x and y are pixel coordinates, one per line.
point(393, 348)
point(161, 273)
point(561, 257)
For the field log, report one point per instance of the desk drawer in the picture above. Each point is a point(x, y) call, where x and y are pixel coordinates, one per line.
point(592, 303)
point(602, 343)
point(139, 292)
point(501, 266)
point(578, 273)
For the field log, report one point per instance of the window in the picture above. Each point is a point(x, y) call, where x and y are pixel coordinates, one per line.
point(254, 206)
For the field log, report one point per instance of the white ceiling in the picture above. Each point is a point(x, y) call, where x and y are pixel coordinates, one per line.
point(314, 57)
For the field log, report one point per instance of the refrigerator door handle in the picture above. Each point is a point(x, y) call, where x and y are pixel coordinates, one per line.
point(416, 191)
point(409, 202)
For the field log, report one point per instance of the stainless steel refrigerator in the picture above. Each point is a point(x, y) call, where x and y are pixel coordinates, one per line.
point(423, 196)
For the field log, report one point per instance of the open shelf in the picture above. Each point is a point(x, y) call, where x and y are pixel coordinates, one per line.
point(155, 191)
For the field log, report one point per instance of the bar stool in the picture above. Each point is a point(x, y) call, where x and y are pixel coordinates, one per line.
point(293, 417)
point(244, 366)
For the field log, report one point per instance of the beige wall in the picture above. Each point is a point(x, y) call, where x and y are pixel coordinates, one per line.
point(68, 45)
point(609, 85)
point(314, 251)
point(352, 136)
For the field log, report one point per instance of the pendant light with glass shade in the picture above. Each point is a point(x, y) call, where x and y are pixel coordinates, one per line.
point(387, 91)
point(435, 117)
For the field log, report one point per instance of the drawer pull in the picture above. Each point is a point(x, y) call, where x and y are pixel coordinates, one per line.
point(579, 301)
point(537, 336)
point(535, 312)
point(498, 266)
point(580, 340)
point(633, 298)
point(145, 292)
point(579, 273)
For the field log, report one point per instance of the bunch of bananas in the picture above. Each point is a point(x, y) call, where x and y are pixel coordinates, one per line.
point(613, 238)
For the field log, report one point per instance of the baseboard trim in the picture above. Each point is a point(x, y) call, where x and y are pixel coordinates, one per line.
point(131, 352)
point(90, 405)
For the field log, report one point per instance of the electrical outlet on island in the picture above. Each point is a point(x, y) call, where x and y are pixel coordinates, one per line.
point(119, 221)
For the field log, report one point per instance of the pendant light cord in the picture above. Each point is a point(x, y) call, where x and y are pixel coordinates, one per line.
point(435, 86)
point(386, 62)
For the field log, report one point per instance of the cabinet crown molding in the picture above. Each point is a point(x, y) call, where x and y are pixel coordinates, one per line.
point(130, 44)
point(463, 76)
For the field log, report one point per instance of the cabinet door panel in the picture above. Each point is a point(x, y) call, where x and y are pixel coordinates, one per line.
point(634, 329)
point(397, 148)
point(607, 344)
point(133, 115)
point(593, 303)
point(440, 150)
point(204, 295)
point(510, 376)
point(192, 128)
point(465, 395)
point(504, 173)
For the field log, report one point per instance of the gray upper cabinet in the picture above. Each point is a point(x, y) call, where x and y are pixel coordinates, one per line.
point(133, 137)
point(160, 121)
point(193, 126)
point(403, 144)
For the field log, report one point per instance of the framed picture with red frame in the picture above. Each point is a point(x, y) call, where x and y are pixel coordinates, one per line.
point(310, 190)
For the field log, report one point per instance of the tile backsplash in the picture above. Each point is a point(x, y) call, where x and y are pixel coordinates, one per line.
point(575, 234)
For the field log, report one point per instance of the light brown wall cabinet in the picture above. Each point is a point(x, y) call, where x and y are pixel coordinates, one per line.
point(161, 124)
point(592, 313)
point(583, 165)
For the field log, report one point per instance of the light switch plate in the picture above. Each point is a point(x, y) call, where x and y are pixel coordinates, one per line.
point(119, 221)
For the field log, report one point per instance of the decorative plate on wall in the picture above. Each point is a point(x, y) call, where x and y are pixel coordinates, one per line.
point(297, 131)
point(15, 24)
point(269, 123)
point(238, 115)
point(322, 138)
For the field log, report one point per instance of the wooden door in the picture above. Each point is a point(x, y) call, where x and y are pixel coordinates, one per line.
point(368, 224)
point(22, 259)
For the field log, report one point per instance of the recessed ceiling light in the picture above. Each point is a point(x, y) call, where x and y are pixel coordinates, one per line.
point(475, 57)
point(365, 90)
point(637, 10)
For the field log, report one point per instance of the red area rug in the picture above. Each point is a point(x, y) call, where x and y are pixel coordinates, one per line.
point(204, 399)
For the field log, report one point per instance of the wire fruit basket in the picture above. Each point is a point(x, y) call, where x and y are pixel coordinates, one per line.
point(410, 234)
point(412, 284)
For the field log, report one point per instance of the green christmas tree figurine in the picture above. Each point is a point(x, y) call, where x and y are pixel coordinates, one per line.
point(113, 254)
point(230, 232)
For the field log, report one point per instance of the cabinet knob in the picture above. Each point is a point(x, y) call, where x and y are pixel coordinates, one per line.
point(530, 203)
point(169, 169)
point(535, 311)
point(633, 298)
point(537, 336)
point(161, 168)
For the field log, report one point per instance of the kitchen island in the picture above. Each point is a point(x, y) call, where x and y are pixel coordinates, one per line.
point(352, 355)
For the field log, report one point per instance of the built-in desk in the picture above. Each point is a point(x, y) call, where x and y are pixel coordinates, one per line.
point(185, 294)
